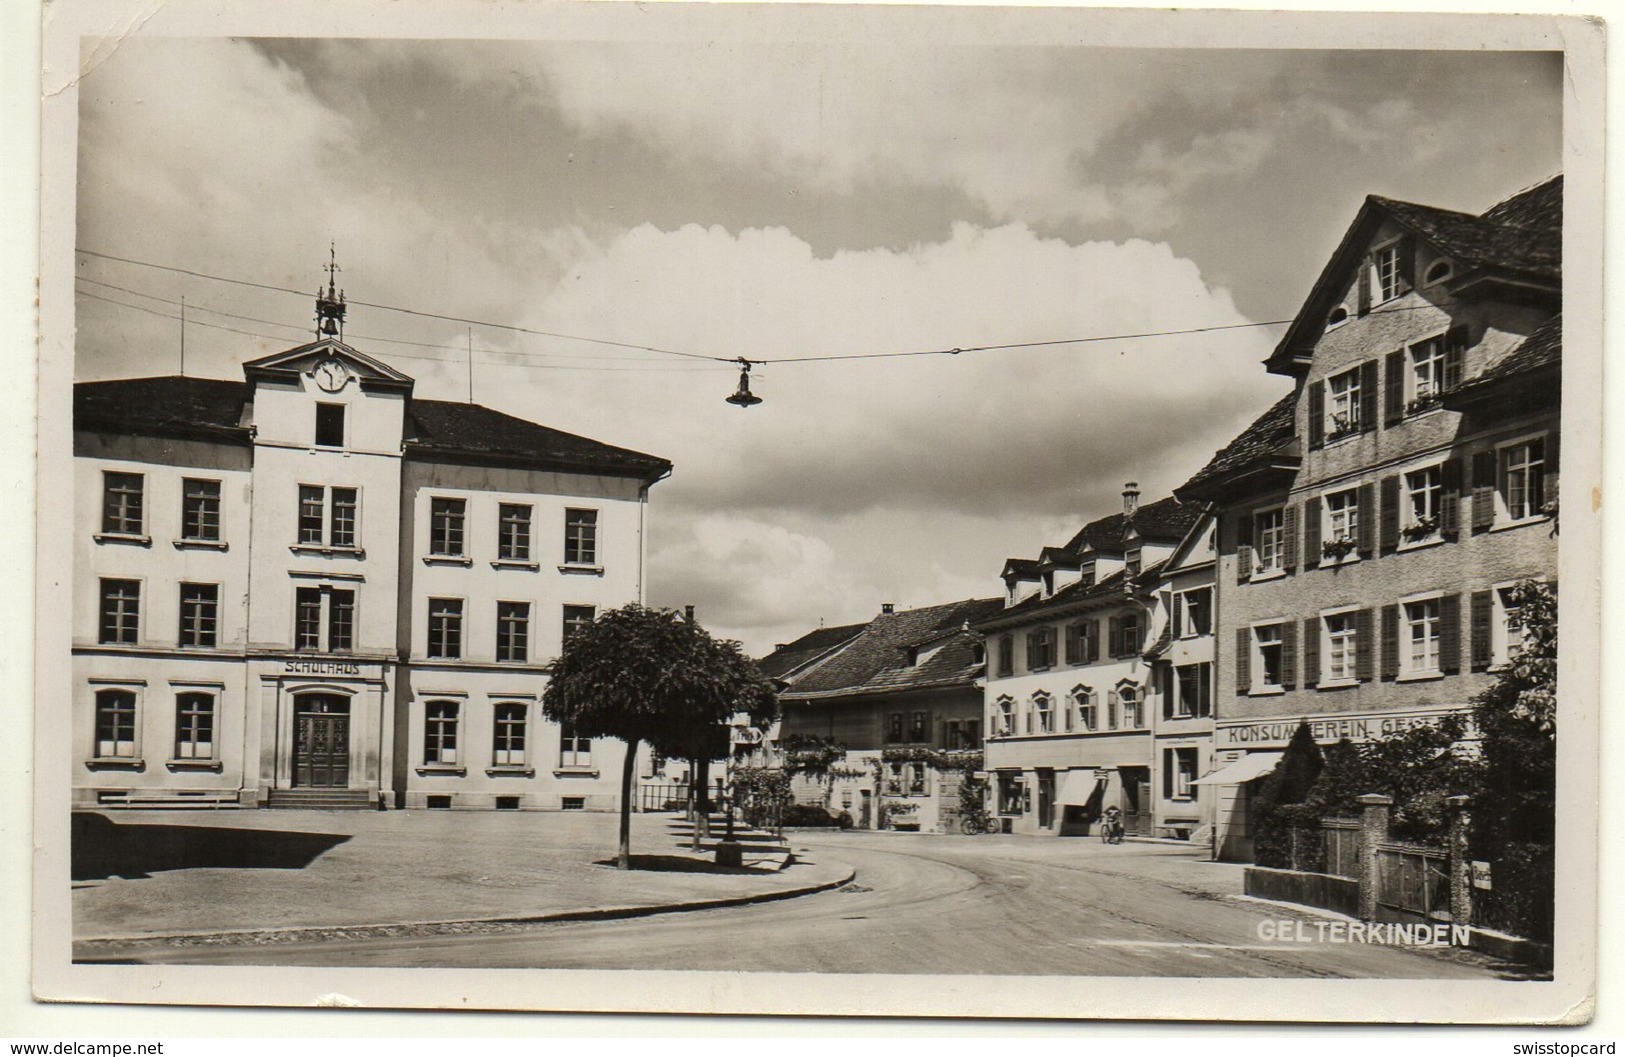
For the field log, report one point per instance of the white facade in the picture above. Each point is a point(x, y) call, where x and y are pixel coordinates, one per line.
point(310, 585)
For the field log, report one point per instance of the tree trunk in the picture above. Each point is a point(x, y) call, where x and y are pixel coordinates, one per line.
point(702, 802)
point(623, 858)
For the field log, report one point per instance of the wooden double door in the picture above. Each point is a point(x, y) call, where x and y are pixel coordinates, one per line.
point(321, 742)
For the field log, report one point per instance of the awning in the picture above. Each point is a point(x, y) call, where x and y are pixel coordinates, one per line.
point(1253, 765)
point(1078, 788)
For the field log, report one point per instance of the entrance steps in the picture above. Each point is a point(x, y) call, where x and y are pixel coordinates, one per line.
point(320, 799)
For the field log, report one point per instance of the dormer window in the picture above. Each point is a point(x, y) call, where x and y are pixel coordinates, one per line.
point(1131, 561)
point(1087, 573)
point(330, 425)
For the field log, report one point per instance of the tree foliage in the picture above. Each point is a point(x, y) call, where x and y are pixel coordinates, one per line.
point(1281, 796)
point(646, 675)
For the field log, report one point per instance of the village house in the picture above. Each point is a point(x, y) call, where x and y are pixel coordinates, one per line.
point(311, 588)
point(1372, 521)
point(1069, 680)
point(903, 696)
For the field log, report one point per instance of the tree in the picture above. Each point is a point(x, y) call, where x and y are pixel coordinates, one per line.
point(646, 675)
point(1279, 796)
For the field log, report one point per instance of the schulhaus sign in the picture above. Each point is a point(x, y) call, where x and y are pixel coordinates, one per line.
point(1327, 729)
point(322, 668)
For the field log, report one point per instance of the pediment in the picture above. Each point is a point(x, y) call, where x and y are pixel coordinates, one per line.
point(306, 359)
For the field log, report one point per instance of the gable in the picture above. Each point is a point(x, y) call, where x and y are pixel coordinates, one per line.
point(305, 359)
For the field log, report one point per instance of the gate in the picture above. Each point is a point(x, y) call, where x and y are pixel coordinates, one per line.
point(664, 796)
point(1413, 882)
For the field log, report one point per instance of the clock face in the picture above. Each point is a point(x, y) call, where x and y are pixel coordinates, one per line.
point(331, 375)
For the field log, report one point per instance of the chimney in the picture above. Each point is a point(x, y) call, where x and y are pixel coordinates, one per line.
point(1131, 498)
point(887, 608)
point(688, 614)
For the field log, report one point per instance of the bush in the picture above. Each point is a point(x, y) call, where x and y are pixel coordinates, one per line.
point(1280, 806)
point(808, 815)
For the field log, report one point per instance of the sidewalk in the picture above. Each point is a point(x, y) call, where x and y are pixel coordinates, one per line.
point(168, 873)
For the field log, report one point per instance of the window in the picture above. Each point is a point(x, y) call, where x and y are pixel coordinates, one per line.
point(577, 619)
point(1007, 655)
point(1427, 375)
point(513, 532)
point(1523, 479)
point(513, 631)
point(446, 527)
point(324, 608)
point(972, 738)
point(330, 425)
point(1127, 642)
point(1011, 793)
point(1132, 703)
point(1437, 272)
point(1193, 613)
point(953, 736)
point(1506, 629)
point(1193, 690)
point(1004, 717)
point(917, 779)
point(1044, 705)
point(1083, 699)
point(581, 537)
point(918, 727)
point(1337, 317)
point(1341, 639)
point(1343, 405)
point(574, 751)
point(327, 514)
point(1041, 648)
point(440, 733)
point(1178, 774)
point(1388, 273)
point(1424, 495)
point(1422, 637)
point(1083, 642)
point(115, 724)
point(446, 628)
point(1340, 531)
point(194, 726)
point(1267, 648)
point(200, 604)
point(508, 741)
point(200, 509)
point(122, 503)
point(1132, 561)
point(894, 727)
point(121, 612)
point(1269, 537)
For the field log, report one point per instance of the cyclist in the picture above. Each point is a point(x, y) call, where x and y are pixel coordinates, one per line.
point(1111, 825)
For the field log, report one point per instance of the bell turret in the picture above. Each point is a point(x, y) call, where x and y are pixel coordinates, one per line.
point(330, 305)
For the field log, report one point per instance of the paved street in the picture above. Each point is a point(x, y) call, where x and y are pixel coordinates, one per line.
point(923, 904)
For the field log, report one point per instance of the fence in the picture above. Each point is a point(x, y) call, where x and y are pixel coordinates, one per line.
point(664, 796)
point(1333, 847)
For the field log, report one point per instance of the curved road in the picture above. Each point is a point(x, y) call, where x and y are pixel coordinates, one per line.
point(983, 905)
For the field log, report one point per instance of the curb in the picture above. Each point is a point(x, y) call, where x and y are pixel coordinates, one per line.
point(272, 936)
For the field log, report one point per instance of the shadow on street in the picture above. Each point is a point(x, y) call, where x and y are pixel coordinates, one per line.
point(103, 849)
point(681, 864)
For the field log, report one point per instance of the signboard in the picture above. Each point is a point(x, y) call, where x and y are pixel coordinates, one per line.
point(1325, 730)
point(1481, 875)
point(322, 668)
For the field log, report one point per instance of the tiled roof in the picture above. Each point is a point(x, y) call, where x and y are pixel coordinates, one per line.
point(1156, 649)
point(1542, 348)
point(1529, 374)
point(1541, 206)
point(793, 655)
point(880, 658)
point(1165, 521)
point(1112, 588)
point(1268, 434)
point(173, 406)
point(1023, 568)
point(1481, 240)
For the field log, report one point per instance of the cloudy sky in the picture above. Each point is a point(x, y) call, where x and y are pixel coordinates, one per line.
point(787, 200)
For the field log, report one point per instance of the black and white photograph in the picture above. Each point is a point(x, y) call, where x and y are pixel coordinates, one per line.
point(931, 511)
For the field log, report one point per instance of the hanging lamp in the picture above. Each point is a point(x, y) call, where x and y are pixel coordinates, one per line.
point(742, 396)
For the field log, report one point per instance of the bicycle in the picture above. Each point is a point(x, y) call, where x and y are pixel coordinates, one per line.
point(978, 822)
point(1111, 829)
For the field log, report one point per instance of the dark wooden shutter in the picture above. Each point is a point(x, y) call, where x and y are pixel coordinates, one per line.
point(1311, 532)
point(1244, 548)
point(1390, 515)
point(1368, 396)
point(1244, 660)
point(1479, 617)
point(1289, 538)
point(1450, 634)
point(1364, 646)
point(1174, 626)
point(1074, 647)
point(1366, 530)
point(1167, 772)
point(1311, 651)
point(1363, 285)
point(1455, 351)
point(1289, 654)
point(1390, 641)
point(1450, 499)
point(1483, 490)
point(1549, 469)
point(1114, 641)
point(1393, 388)
point(1407, 263)
point(1317, 414)
point(1165, 683)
